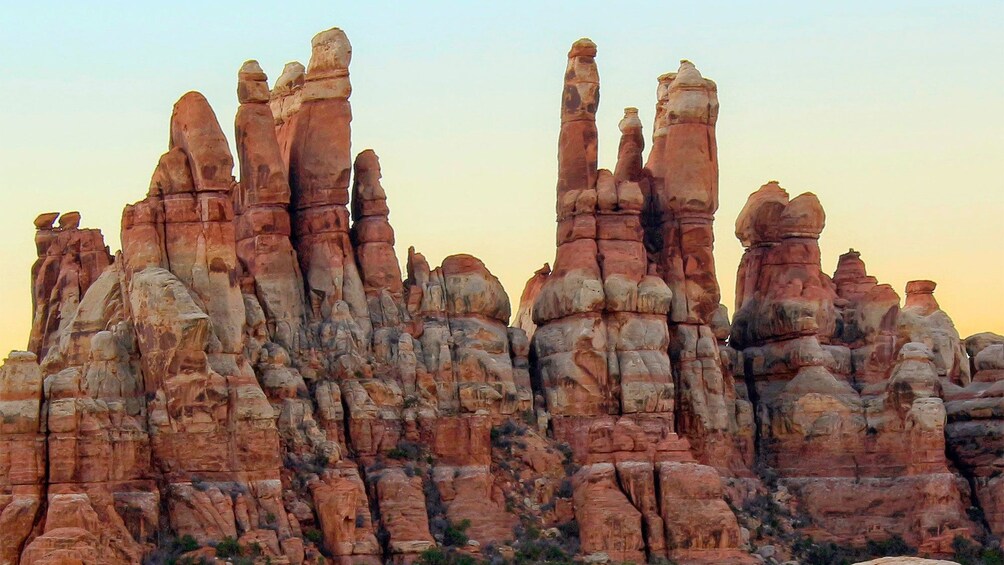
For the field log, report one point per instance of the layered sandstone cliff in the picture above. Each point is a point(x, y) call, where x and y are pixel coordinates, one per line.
point(254, 375)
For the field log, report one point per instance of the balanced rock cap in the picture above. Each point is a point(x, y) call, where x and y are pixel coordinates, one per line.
point(252, 84)
point(582, 48)
point(630, 120)
point(330, 54)
point(71, 221)
point(45, 221)
point(290, 79)
point(328, 69)
point(691, 98)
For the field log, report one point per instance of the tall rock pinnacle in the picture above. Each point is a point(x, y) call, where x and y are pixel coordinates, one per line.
point(577, 142)
point(602, 343)
point(261, 201)
point(684, 166)
point(314, 128)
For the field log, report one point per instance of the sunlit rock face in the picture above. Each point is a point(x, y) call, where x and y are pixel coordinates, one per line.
point(257, 367)
point(626, 367)
point(850, 407)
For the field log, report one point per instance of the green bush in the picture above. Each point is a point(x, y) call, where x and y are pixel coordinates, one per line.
point(186, 543)
point(829, 553)
point(501, 436)
point(229, 548)
point(893, 546)
point(456, 533)
point(541, 551)
point(437, 556)
point(314, 535)
point(968, 552)
point(406, 450)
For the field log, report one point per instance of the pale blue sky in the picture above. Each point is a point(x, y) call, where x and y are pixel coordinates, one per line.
point(892, 112)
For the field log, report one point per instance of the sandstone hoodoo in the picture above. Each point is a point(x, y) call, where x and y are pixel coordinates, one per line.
point(253, 377)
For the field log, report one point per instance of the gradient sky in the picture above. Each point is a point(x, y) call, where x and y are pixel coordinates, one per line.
point(891, 112)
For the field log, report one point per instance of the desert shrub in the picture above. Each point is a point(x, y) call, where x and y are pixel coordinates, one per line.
point(186, 561)
point(456, 533)
point(186, 543)
point(434, 507)
point(528, 417)
point(375, 467)
point(569, 529)
point(170, 550)
point(829, 553)
point(569, 464)
point(893, 546)
point(438, 556)
point(314, 535)
point(968, 552)
point(541, 551)
point(566, 451)
point(975, 514)
point(229, 548)
point(502, 435)
point(764, 508)
point(406, 450)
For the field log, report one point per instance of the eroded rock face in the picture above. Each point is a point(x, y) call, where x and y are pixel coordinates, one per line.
point(867, 314)
point(254, 365)
point(604, 326)
point(23, 453)
point(975, 429)
point(923, 320)
point(850, 416)
point(261, 202)
point(70, 259)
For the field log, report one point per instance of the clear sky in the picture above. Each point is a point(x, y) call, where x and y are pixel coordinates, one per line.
point(891, 112)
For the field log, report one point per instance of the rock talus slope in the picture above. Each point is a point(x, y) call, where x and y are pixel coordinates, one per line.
point(255, 375)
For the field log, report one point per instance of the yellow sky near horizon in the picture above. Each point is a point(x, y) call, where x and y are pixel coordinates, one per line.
point(890, 115)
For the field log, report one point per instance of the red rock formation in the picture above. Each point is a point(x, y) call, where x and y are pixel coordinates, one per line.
point(260, 203)
point(866, 323)
point(315, 136)
point(922, 320)
point(861, 460)
point(683, 164)
point(780, 291)
point(372, 234)
point(22, 451)
point(252, 367)
point(70, 259)
point(602, 341)
point(975, 425)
